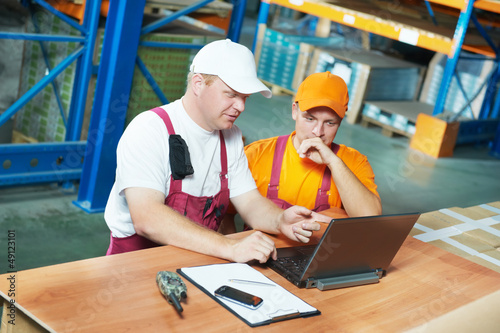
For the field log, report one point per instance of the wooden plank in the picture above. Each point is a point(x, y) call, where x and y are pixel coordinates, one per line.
point(18, 137)
point(387, 130)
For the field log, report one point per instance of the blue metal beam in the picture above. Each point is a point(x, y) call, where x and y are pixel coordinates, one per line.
point(236, 22)
point(261, 18)
point(36, 163)
point(476, 131)
point(485, 35)
point(495, 147)
point(39, 86)
point(83, 72)
point(41, 37)
point(431, 12)
point(451, 63)
point(151, 80)
point(489, 97)
point(114, 82)
point(494, 113)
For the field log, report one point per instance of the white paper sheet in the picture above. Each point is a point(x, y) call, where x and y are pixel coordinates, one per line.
point(277, 300)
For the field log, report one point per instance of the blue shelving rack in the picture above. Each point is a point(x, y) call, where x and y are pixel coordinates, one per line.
point(345, 12)
point(92, 162)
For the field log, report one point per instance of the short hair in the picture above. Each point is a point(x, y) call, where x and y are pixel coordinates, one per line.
point(209, 78)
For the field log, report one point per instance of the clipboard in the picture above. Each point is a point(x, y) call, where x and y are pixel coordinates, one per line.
point(279, 304)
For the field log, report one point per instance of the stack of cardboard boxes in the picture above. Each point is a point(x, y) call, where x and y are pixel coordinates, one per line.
point(472, 232)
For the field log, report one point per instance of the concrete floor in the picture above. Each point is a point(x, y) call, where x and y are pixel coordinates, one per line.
point(49, 229)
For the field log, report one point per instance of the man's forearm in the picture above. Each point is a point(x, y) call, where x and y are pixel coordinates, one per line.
point(356, 198)
point(258, 212)
point(163, 225)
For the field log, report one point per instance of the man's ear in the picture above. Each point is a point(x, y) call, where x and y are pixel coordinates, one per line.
point(196, 83)
point(295, 110)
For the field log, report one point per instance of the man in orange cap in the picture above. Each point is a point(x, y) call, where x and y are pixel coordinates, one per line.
point(306, 167)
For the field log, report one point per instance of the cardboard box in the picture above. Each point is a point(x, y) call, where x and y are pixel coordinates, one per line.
point(495, 254)
point(283, 58)
point(370, 76)
point(434, 137)
point(467, 232)
point(396, 116)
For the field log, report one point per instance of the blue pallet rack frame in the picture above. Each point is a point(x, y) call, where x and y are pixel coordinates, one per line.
point(53, 162)
point(93, 161)
point(490, 109)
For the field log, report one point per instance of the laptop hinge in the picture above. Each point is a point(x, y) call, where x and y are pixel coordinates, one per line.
point(347, 280)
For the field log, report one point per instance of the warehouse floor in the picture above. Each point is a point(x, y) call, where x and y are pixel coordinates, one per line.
point(49, 229)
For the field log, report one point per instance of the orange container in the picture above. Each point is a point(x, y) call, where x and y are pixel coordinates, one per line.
point(76, 10)
point(434, 136)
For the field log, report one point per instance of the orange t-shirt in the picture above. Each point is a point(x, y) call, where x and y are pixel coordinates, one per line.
point(301, 178)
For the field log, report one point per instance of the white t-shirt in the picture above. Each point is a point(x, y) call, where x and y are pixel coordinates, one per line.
point(143, 161)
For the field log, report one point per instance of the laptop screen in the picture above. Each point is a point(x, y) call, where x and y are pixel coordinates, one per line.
point(359, 245)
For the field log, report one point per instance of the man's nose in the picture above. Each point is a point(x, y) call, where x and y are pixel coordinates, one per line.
point(239, 104)
point(318, 130)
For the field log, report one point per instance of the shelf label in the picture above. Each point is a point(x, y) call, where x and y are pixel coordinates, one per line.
point(408, 36)
point(349, 19)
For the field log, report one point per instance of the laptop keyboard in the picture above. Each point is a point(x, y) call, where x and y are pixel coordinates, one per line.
point(296, 264)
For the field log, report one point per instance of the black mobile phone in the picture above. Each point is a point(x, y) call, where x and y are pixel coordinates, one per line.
point(240, 297)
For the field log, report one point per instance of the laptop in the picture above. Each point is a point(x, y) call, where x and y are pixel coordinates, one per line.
point(352, 252)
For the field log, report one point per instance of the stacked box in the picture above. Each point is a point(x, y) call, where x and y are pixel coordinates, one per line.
point(393, 120)
point(41, 118)
point(370, 76)
point(283, 58)
point(473, 232)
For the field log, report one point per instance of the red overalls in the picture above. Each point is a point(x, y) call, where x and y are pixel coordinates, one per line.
point(206, 211)
point(272, 191)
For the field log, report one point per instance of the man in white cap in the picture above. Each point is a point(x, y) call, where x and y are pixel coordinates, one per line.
point(179, 165)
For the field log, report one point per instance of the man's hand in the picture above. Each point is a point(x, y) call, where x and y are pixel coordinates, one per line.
point(352, 191)
point(316, 150)
point(298, 223)
point(256, 246)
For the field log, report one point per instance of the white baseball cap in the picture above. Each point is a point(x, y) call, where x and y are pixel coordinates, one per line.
point(233, 63)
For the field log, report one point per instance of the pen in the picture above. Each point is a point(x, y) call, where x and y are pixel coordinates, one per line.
point(251, 282)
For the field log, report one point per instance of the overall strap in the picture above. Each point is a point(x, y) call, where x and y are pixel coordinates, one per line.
point(175, 184)
point(279, 151)
point(166, 119)
point(223, 163)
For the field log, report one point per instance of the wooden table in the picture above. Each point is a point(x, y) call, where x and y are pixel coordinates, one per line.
point(119, 294)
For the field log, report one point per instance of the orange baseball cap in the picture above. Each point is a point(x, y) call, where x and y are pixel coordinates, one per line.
point(323, 89)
